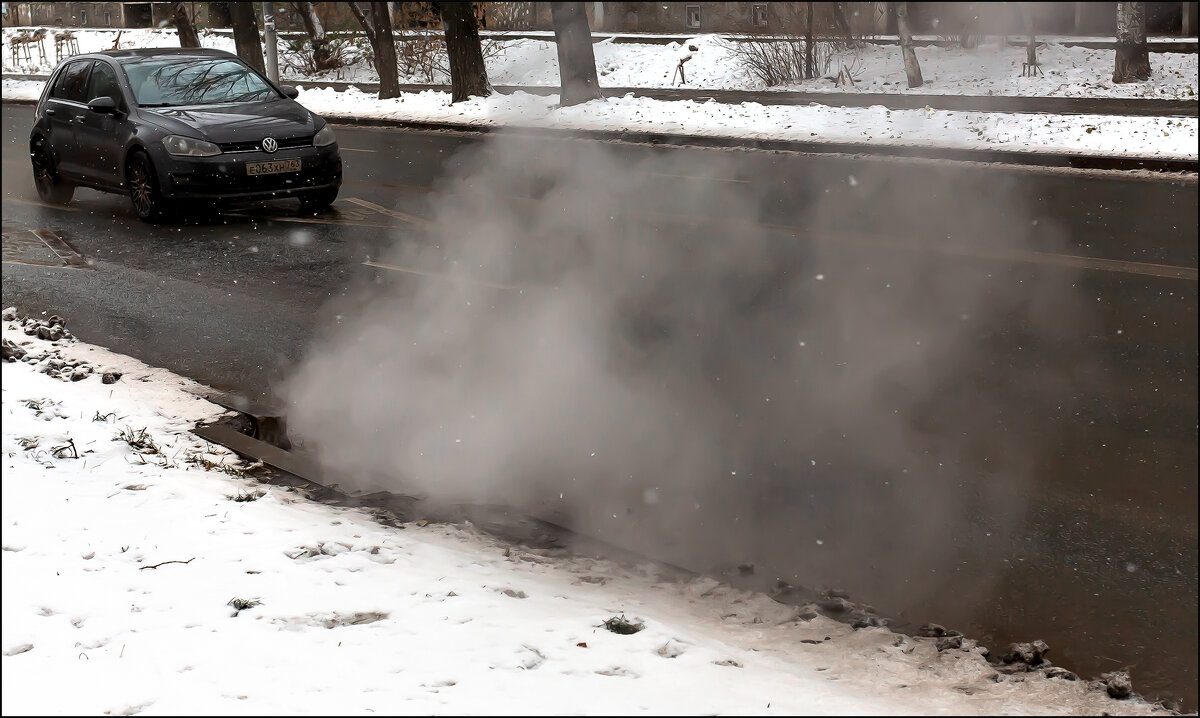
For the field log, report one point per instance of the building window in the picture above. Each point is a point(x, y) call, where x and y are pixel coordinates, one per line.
point(758, 15)
point(83, 18)
point(108, 19)
point(692, 13)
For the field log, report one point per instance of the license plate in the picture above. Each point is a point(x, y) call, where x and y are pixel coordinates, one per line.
point(273, 167)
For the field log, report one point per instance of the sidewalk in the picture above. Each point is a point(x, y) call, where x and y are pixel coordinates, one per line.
point(1121, 106)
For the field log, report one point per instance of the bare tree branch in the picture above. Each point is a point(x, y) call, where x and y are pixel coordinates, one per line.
point(164, 563)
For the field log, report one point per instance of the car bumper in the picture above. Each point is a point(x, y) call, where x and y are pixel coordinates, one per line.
point(226, 176)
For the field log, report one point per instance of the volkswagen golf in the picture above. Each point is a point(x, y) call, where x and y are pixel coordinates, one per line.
point(167, 126)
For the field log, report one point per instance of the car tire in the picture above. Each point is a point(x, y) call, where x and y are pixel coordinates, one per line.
point(318, 200)
point(50, 187)
point(144, 194)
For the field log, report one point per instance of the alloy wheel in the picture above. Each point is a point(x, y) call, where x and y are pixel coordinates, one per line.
point(140, 189)
point(42, 174)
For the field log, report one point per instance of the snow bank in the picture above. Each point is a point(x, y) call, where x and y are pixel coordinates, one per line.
point(1173, 137)
point(120, 568)
point(1157, 137)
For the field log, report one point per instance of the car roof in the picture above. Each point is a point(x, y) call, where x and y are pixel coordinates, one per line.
point(145, 53)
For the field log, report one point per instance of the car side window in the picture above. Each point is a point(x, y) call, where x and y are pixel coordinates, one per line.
point(72, 83)
point(103, 83)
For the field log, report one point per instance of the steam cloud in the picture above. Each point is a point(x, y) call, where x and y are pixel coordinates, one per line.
point(627, 342)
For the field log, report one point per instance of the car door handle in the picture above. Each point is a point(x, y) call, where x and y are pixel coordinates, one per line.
point(50, 111)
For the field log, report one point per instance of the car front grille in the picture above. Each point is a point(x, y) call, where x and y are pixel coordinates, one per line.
point(256, 145)
point(210, 184)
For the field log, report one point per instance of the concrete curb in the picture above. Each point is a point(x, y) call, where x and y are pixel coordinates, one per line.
point(1008, 157)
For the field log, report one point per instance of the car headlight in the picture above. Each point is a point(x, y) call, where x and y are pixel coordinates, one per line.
point(324, 137)
point(188, 147)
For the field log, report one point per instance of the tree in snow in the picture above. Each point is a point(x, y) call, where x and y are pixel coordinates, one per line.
point(1133, 54)
point(576, 61)
point(843, 25)
point(322, 57)
point(245, 34)
point(188, 37)
point(383, 45)
point(1031, 66)
point(468, 75)
point(912, 68)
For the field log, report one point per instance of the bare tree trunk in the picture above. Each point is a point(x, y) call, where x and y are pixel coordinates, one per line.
point(468, 75)
point(576, 61)
point(810, 65)
point(912, 68)
point(1133, 54)
point(188, 37)
point(218, 15)
point(316, 35)
point(1031, 43)
point(245, 34)
point(843, 26)
point(383, 46)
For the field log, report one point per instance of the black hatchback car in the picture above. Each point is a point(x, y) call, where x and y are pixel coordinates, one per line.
point(171, 125)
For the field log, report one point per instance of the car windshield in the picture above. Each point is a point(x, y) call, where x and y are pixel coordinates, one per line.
point(192, 81)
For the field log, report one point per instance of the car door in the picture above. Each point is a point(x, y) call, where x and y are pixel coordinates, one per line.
point(63, 108)
point(100, 136)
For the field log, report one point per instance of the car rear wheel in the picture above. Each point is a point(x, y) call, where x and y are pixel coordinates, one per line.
point(143, 189)
point(50, 187)
point(318, 200)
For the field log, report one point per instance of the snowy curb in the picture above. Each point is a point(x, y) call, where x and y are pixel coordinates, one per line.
point(1007, 157)
point(1048, 159)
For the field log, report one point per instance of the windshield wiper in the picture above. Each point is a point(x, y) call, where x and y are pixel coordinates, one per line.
point(157, 104)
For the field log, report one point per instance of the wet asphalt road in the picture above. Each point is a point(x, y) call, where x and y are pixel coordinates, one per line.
point(1102, 561)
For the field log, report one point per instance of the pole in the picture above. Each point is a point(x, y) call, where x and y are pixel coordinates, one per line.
point(272, 47)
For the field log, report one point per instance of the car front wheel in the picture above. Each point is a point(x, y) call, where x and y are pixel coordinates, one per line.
point(143, 189)
point(318, 200)
point(50, 187)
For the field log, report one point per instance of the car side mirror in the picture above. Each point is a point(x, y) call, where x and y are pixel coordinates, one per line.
point(103, 105)
point(290, 92)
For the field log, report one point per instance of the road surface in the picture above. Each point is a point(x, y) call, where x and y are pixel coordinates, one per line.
point(1055, 438)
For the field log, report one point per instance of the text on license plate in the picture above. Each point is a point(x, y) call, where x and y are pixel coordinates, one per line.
point(273, 167)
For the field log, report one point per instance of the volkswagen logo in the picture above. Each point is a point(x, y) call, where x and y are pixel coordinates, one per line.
point(270, 145)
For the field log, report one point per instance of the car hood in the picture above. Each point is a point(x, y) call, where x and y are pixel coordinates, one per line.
point(241, 122)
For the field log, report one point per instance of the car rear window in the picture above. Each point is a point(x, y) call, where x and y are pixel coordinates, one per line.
point(103, 83)
point(195, 81)
point(72, 82)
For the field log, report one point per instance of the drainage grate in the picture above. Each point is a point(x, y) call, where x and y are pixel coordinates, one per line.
point(41, 247)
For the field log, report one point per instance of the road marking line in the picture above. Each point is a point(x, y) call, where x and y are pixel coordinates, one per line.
point(36, 263)
point(389, 212)
point(1119, 265)
point(710, 179)
point(307, 220)
point(41, 204)
point(354, 149)
point(440, 275)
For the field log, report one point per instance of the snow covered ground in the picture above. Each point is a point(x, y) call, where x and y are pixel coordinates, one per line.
point(120, 566)
point(991, 69)
point(987, 70)
point(1147, 137)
